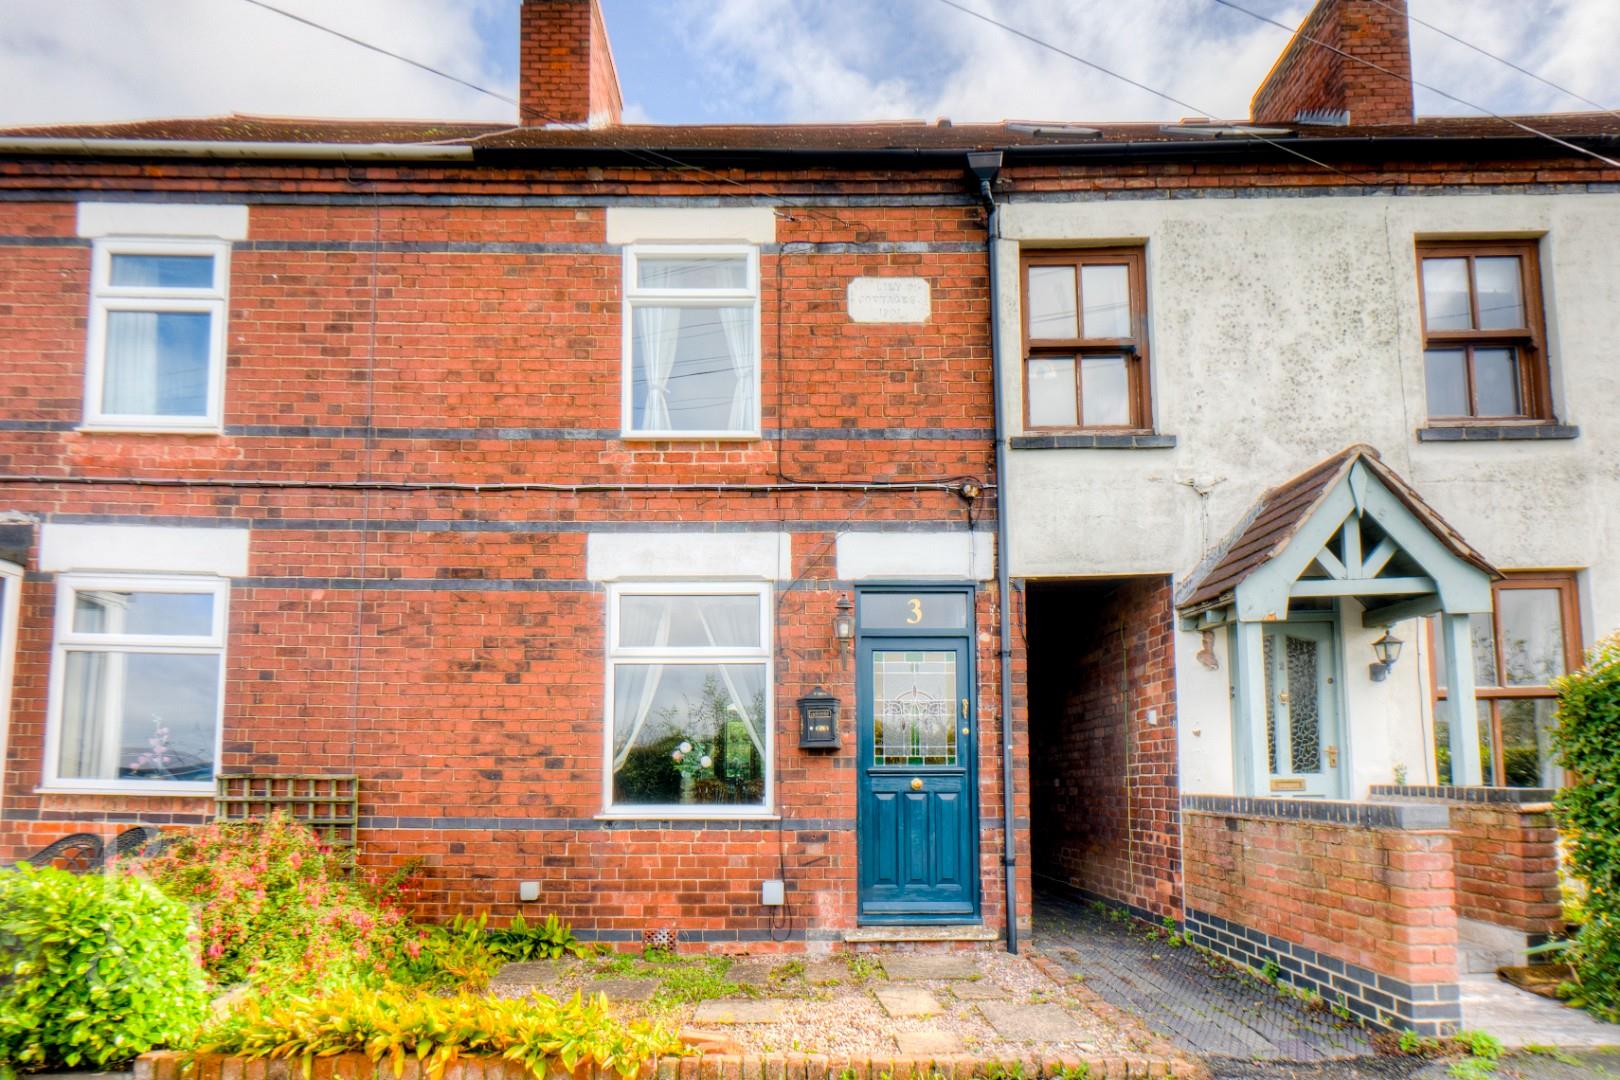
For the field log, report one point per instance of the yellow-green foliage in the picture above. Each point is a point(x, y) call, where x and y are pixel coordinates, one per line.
point(1588, 743)
point(94, 969)
point(396, 1025)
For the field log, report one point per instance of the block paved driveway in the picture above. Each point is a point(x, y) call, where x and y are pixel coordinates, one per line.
point(1213, 1013)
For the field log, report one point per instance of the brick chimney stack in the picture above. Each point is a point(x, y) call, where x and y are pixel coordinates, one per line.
point(1308, 78)
point(565, 66)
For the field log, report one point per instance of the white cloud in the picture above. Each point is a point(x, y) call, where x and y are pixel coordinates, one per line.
point(76, 60)
point(1571, 42)
point(830, 59)
point(757, 60)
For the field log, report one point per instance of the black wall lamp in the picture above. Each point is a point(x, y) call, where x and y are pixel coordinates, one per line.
point(844, 621)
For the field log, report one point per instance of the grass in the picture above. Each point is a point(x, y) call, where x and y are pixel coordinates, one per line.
point(863, 967)
point(682, 980)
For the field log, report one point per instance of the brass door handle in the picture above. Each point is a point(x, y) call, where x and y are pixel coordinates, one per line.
point(1333, 757)
point(916, 783)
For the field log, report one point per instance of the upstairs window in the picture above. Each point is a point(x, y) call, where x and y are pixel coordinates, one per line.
point(1483, 351)
point(691, 333)
point(157, 334)
point(1085, 335)
point(137, 678)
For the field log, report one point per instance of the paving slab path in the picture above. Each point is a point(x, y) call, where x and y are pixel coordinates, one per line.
point(624, 989)
point(906, 1001)
point(1179, 995)
point(924, 967)
point(1031, 1023)
point(739, 1011)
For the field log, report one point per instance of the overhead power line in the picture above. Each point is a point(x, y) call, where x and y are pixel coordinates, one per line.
point(1565, 143)
point(1034, 40)
point(1443, 32)
point(645, 155)
point(352, 40)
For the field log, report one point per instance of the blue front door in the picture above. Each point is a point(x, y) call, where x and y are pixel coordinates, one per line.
point(918, 806)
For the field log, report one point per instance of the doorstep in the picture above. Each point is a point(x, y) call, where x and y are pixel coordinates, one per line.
point(890, 935)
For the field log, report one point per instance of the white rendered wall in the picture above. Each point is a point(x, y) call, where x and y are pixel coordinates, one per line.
point(1281, 330)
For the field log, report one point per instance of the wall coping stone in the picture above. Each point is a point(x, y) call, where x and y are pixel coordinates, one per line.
point(1364, 815)
point(1452, 793)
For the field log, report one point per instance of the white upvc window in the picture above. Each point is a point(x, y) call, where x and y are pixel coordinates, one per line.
point(691, 341)
point(11, 577)
point(689, 728)
point(137, 683)
point(156, 351)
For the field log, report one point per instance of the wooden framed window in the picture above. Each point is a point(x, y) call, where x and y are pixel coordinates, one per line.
point(1484, 352)
point(1532, 635)
point(1085, 340)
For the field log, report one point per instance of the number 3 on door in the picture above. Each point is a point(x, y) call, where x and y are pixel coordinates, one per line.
point(914, 605)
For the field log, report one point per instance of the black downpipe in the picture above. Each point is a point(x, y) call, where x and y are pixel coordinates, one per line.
point(985, 167)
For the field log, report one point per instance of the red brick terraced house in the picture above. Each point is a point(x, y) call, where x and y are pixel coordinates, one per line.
point(793, 536)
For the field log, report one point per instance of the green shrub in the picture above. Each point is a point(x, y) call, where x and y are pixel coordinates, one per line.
point(1588, 744)
point(455, 956)
point(398, 1024)
point(550, 940)
point(94, 970)
point(276, 907)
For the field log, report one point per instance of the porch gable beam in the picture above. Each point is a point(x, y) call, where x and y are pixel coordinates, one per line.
point(1361, 586)
point(1392, 586)
point(1331, 565)
point(1378, 558)
point(1400, 611)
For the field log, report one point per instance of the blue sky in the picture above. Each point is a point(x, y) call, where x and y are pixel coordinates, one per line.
point(753, 61)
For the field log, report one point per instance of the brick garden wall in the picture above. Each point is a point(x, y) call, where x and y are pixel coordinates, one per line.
point(1104, 785)
point(1506, 845)
point(1507, 866)
point(1350, 899)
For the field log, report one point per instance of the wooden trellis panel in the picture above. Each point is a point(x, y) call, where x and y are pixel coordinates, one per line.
point(329, 804)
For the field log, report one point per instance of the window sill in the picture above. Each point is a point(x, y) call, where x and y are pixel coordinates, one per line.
point(688, 436)
point(694, 817)
point(181, 791)
point(1496, 432)
point(1082, 441)
point(152, 429)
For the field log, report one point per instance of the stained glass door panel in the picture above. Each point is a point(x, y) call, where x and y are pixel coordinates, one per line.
point(1302, 737)
point(914, 708)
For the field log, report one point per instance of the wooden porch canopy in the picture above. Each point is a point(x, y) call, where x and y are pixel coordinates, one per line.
point(1348, 527)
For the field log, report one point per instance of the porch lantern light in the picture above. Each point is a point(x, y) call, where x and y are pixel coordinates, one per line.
point(1388, 650)
point(818, 721)
point(844, 621)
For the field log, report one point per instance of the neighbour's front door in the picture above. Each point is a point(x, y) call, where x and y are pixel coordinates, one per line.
point(917, 813)
point(1303, 745)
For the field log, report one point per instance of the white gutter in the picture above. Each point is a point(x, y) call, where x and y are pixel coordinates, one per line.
point(205, 148)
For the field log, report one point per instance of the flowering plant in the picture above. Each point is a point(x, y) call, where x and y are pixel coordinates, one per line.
point(276, 907)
